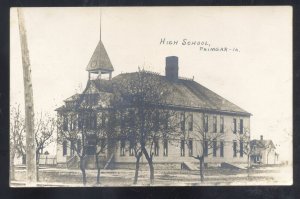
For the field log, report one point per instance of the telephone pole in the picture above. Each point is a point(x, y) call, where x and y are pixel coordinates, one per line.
point(31, 177)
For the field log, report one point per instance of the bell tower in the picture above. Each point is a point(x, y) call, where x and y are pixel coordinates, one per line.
point(99, 63)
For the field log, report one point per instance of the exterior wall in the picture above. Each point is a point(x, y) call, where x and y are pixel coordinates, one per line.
point(268, 156)
point(174, 155)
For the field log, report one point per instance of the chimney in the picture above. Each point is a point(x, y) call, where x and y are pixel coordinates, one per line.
point(261, 137)
point(171, 67)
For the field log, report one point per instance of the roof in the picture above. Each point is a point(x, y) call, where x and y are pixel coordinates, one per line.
point(262, 143)
point(188, 93)
point(100, 60)
point(185, 93)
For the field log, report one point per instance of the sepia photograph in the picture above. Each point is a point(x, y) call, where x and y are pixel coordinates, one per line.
point(151, 96)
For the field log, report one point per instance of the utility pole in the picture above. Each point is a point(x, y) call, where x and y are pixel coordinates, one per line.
point(31, 177)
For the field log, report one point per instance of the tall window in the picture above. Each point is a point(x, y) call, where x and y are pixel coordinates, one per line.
point(205, 148)
point(166, 122)
point(80, 121)
point(214, 148)
point(103, 120)
point(131, 148)
point(241, 148)
point(182, 148)
point(156, 121)
point(214, 124)
point(65, 148)
point(78, 145)
point(234, 125)
point(165, 143)
point(222, 125)
point(234, 148)
point(72, 148)
point(241, 126)
point(221, 148)
point(122, 148)
point(65, 123)
point(190, 147)
point(73, 123)
point(205, 123)
point(182, 121)
point(156, 147)
point(190, 124)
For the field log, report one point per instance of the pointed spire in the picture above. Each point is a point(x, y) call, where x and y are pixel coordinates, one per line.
point(100, 60)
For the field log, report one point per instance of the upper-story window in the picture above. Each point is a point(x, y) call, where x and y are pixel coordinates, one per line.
point(214, 124)
point(73, 123)
point(205, 123)
point(190, 123)
point(241, 126)
point(182, 121)
point(65, 123)
point(221, 124)
point(234, 125)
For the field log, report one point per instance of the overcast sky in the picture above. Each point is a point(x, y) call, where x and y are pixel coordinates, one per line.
point(258, 77)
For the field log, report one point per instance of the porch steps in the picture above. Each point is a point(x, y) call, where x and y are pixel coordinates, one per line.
point(233, 165)
point(189, 166)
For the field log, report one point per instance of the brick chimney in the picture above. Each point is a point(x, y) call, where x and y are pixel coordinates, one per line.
point(171, 67)
point(261, 137)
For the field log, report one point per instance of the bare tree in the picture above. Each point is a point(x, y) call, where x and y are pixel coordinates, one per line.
point(17, 137)
point(208, 141)
point(243, 146)
point(44, 132)
point(147, 94)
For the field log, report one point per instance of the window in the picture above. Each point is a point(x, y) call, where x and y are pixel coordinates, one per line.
point(103, 120)
point(65, 148)
point(156, 147)
point(214, 148)
point(234, 148)
point(214, 124)
point(102, 144)
point(182, 148)
point(79, 145)
point(206, 148)
point(156, 121)
point(80, 121)
point(205, 123)
point(90, 121)
point(222, 125)
point(166, 126)
point(241, 148)
point(190, 124)
point(131, 148)
point(73, 123)
point(190, 147)
point(241, 126)
point(122, 148)
point(182, 121)
point(222, 149)
point(72, 148)
point(234, 125)
point(65, 123)
point(165, 143)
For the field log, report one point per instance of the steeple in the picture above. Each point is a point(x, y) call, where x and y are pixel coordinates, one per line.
point(100, 62)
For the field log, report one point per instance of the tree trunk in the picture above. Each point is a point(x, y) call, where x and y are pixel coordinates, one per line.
point(37, 165)
point(248, 168)
point(29, 108)
point(137, 167)
point(150, 163)
point(82, 168)
point(98, 169)
point(201, 162)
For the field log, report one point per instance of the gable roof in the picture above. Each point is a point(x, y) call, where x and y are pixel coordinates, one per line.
point(262, 143)
point(100, 60)
point(188, 93)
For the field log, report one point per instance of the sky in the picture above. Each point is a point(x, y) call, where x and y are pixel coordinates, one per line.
point(255, 74)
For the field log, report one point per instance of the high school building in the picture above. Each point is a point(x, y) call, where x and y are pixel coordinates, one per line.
point(225, 122)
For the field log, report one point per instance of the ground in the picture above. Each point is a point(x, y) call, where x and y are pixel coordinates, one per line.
point(273, 175)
